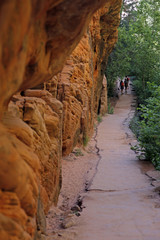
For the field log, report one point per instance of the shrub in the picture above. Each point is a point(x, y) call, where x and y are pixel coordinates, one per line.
point(99, 118)
point(110, 109)
point(149, 134)
point(135, 125)
point(78, 152)
point(85, 141)
point(143, 92)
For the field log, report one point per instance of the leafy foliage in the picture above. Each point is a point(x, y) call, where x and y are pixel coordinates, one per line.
point(149, 137)
point(99, 118)
point(138, 49)
point(110, 108)
point(146, 42)
point(77, 152)
point(135, 125)
point(137, 53)
point(85, 140)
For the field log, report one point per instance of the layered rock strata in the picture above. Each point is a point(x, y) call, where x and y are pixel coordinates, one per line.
point(36, 38)
point(81, 85)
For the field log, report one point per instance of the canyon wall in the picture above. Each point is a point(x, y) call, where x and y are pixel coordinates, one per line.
point(81, 84)
point(49, 99)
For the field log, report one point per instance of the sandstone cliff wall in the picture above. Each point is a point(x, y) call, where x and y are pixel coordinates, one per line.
point(39, 120)
point(81, 84)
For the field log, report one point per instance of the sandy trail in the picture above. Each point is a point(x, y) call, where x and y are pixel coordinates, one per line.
point(78, 170)
point(121, 203)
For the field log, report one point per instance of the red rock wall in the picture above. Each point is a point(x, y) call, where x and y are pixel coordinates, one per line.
point(31, 173)
point(36, 37)
point(81, 88)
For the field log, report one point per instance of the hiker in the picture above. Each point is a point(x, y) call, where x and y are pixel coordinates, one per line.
point(121, 86)
point(128, 80)
point(126, 84)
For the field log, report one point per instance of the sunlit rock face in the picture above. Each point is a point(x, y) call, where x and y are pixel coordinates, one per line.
point(80, 84)
point(36, 38)
point(39, 120)
point(30, 162)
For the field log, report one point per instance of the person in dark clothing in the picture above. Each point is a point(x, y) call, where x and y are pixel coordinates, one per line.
point(121, 86)
point(126, 84)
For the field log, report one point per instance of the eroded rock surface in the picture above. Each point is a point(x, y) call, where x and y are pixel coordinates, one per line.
point(81, 84)
point(38, 119)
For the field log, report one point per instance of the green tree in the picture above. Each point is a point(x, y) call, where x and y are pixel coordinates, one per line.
point(146, 42)
point(138, 53)
point(138, 49)
point(149, 135)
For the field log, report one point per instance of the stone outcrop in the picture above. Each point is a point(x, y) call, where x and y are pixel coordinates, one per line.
point(81, 84)
point(31, 147)
point(40, 119)
point(36, 38)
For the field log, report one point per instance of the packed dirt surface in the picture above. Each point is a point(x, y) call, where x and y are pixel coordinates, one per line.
point(78, 170)
point(122, 202)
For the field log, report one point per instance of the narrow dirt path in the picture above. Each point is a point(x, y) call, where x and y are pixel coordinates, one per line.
point(121, 204)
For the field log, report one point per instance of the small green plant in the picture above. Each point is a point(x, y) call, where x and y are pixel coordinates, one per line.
point(77, 152)
point(99, 118)
point(135, 125)
point(139, 151)
point(110, 109)
point(85, 141)
point(149, 128)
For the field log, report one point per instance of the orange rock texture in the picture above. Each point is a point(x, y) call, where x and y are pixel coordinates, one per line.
point(39, 120)
point(81, 88)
